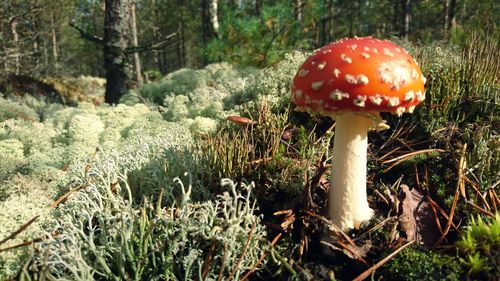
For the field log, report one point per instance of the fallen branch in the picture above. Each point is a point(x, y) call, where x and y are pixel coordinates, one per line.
point(19, 230)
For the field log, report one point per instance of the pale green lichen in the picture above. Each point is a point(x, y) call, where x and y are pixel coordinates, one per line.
point(99, 230)
point(40, 158)
point(51, 145)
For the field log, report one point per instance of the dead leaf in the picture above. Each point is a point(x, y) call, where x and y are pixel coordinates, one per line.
point(416, 218)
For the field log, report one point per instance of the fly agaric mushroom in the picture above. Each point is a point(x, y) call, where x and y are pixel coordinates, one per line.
point(240, 121)
point(352, 80)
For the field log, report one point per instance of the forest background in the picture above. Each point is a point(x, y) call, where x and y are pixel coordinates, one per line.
point(66, 37)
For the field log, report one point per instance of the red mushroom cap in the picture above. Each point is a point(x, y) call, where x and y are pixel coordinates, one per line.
point(240, 121)
point(359, 74)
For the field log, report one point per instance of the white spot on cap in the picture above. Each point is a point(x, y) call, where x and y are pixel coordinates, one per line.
point(356, 80)
point(387, 52)
point(393, 101)
point(303, 73)
point(400, 110)
point(409, 96)
point(365, 55)
point(322, 65)
point(353, 46)
point(414, 74)
point(345, 58)
point(385, 78)
point(376, 99)
point(374, 50)
point(397, 50)
point(410, 109)
point(327, 51)
point(336, 72)
point(359, 101)
point(338, 95)
point(424, 79)
point(351, 79)
point(362, 79)
point(366, 49)
point(316, 85)
point(299, 94)
point(395, 75)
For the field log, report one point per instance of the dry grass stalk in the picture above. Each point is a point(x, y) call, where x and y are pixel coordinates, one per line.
point(460, 183)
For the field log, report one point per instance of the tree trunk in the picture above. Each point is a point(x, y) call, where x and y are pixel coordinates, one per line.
point(258, 5)
point(135, 43)
point(115, 25)
point(407, 17)
point(180, 35)
point(446, 13)
point(15, 42)
point(156, 31)
point(55, 51)
point(205, 21)
point(35, 58)
point(453, 15)
point(214, 19)
point(331, 13)
point(46, 57)
point(298, 10)
point(5, 49)
point(396, 17)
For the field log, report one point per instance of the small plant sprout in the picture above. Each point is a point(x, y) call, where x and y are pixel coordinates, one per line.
point(352, 80)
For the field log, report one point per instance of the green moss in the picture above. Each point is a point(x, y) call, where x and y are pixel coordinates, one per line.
point(419, 264)
point(480, 244)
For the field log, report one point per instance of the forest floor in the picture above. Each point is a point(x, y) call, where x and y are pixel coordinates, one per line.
point(164, 187)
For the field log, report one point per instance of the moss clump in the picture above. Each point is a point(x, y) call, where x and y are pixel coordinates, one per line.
point(417, 264)
point(481, 245)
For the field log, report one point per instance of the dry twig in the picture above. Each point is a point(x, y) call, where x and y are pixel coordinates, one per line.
point(460, 183)
point(374, 267)
point(19, 230)
point(243, 252)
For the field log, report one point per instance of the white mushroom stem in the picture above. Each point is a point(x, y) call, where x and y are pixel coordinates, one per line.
point(347, 200)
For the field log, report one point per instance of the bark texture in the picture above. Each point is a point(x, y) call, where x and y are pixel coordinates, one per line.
point(115, 44)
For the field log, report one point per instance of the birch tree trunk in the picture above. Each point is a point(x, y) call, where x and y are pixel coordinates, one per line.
point(55, 51)
point(214, 19)
point(135, 43)
point(298, 10)
point(15, 42)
